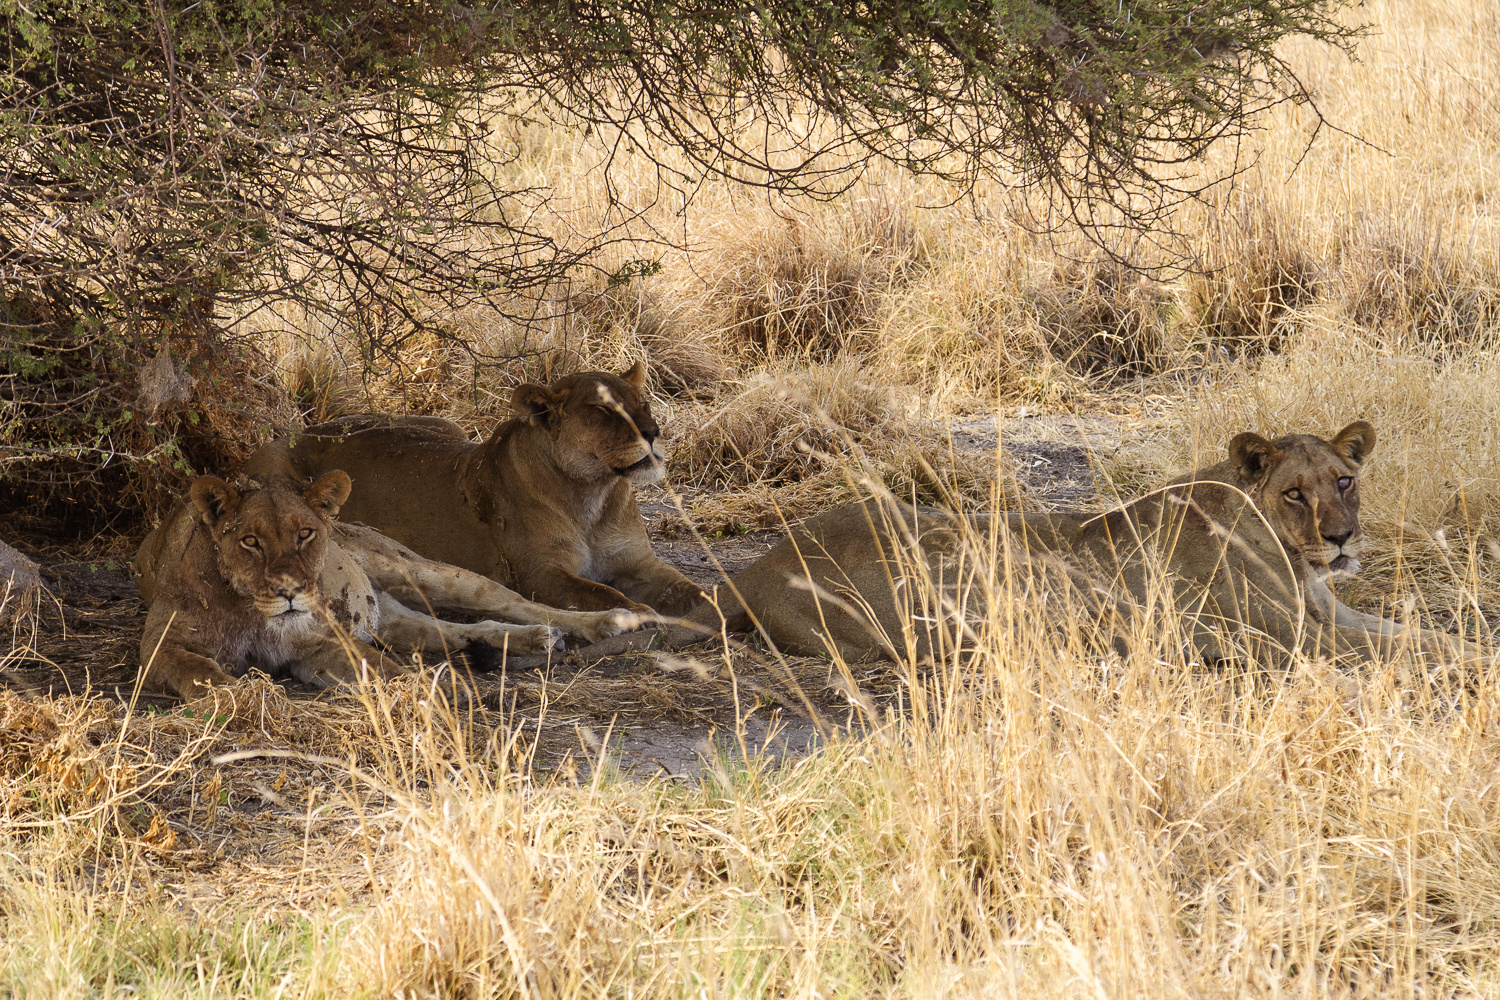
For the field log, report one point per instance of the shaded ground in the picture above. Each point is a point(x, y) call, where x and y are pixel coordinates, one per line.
point(701, 560)
point(89, 634)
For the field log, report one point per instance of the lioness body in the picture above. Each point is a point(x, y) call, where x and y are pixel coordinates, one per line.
point(266, 578)
point(1243, 550)
point(545, 505)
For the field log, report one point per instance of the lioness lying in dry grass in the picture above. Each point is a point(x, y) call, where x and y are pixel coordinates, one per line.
point(1243, 550)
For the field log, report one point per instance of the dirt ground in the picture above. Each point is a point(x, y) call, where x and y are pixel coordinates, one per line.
point(660, 716)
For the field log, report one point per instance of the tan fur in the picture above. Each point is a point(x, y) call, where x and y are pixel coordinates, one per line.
point(1243, 550)
point(545, 505)
point(264, 577)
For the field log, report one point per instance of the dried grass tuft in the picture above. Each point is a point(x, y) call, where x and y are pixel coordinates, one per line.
point(779, 428)
point(784, 289)
point(789, 444)
point(1474, 514)
point(21, 593)
point(1254, 275)
point(1411, 283)
point(666, 332)
point(1101, 317)
point(324, 385)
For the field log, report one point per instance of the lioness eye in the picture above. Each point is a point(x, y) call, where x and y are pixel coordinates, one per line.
point(304, 534)
point(250, 542)
point(1345, 482)
point(1293, 495)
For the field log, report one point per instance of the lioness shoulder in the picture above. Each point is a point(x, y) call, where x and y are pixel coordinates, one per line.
point(545, 505)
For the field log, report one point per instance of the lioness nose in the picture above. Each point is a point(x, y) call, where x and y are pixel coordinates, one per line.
point(1338, 540)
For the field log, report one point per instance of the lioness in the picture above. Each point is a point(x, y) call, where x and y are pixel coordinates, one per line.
point(263, 576)
point(1243, 550)
point(544, 506)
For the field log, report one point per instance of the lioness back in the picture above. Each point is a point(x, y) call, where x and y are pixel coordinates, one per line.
point(851, 579)
point(404, 483)
point(884, 579)
point(410, 424)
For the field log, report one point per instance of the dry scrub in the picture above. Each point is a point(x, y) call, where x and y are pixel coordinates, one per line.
point(788, 444)
point(1044, 821)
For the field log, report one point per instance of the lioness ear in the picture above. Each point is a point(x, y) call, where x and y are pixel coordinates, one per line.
point(635, 375)
point(1355, 442)
point(328, 492)
point(536, 402)
point(1251, 454)
point(214, 498)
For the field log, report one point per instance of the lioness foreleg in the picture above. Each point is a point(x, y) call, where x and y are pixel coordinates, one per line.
point(167, 664)
point(404, 629)
point(335, 661)
point(1372, 637)
point(654, 583)
point(415, 581)
point(573, 591)
point(186, 674)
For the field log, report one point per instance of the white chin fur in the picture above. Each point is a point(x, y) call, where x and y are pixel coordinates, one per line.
point(647, 474)
point(1341, 567)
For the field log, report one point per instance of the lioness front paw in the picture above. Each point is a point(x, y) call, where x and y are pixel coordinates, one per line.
point(611, 623)
point(200, 682)
point(336, 665)
point(519, 639)
point(334, 674)
point(321, 676)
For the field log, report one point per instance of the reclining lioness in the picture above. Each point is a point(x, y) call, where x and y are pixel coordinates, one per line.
point(261, 575)
point(545, 505)
point(1243, 550)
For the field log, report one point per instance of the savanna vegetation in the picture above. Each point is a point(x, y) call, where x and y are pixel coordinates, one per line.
point(1039, 820)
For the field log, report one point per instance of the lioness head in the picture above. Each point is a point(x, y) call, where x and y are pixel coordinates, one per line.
point(1308, 489)
point(600, 424)
point(271, 538)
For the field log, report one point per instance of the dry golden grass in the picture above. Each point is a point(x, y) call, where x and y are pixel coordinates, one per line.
point(787, 443)
point(1039, 823)
point(1042, 821)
